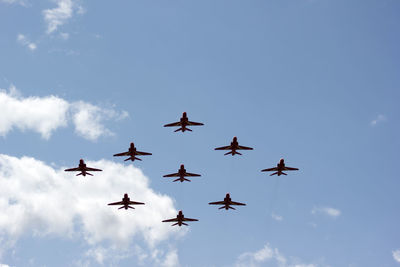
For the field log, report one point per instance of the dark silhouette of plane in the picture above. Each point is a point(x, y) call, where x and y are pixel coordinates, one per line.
point(183, 123)
point(280, 167)
point(227, 202)
point(233, 147)
point(182, 174)
point(180, 219)
point(132, 153)
point(83, 169)
point(126, 202)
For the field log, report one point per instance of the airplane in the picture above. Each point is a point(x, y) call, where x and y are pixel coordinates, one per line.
point(126, 202)
point(83, 169)
point(183, 123)
point(227, 203)
point(132, 153)
point(280, 167)
point(233, 147)
point(180, 219)
point(182, 174)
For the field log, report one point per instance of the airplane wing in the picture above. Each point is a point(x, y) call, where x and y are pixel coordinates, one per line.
point(190, 220)
point(270, 169)
point(139, 153)
point(245, 148)
point(93, 170)
point(191, 174)
point(173, 124)
point(122, 154)
point(192, 123)
point(223, 148)
point(135, 203)
point(117, 203)
point(237, 203)
point(171, 220)
point(72, 170)
point(290, 169)
point(217, 203)
point(172, 175)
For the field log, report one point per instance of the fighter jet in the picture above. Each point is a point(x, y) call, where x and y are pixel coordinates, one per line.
point(280, 167)
point(182, 174)
point(180, 219)
point(183, 123)
point(132, 153)
point(126, 202)
point(83, 169)
point(233, 147)
point(227, 203)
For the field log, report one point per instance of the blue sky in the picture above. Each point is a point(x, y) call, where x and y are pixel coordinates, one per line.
point(312, 81)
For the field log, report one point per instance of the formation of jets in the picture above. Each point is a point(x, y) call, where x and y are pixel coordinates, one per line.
point(183, 124)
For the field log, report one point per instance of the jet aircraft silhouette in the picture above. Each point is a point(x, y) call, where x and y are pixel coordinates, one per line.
point(227, 202)
point(180, 219)
point(182, 174)
point(280, 167)
point(132, 153)
point(83, 169)
point(126, 202)
point(233, 147)
point(183, 123)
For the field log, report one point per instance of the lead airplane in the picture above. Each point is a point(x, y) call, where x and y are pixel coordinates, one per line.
point(234, 146)
point(227, 202)
point(126, 202)
point(180, 219)
point(182, 174)
point(183, 123)
point(280, 167)
point(83, 169)
point(132, 153)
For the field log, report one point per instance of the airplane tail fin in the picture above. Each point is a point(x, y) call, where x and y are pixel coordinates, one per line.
point(237, 153)
point(121, 207)
point(231, 208)
point(185, 224)
point(89, 174)
point(175, 224)
point(273, 173)
point(177, 130)
point(227, 153)
point(176, 180)
point(128, 159)
point(131, 207)
point(79, 174)
point(223, 207)
point(190, 130)
point(186, 179)
point(283, 173)
point(137, 158)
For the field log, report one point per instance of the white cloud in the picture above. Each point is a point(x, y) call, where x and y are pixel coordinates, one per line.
point(24, 41)
point(59, 15)
point(332, 212)
point(20, 2)
point(379, 119)
point(171, 259)
point(46, 114)
point(268, 256)
point(276, 217)
point(87, 119)
point(396, 255)
point(64, 35)
point(41, 200)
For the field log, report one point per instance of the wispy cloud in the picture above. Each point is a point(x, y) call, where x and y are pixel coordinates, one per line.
point(331, 212)
point(20, 2)
point(276, 217)
point(59, 15)
point(49, 113)
point(380, 118)
point(396, 255)
point(41, 200)
point(269, 256)
point(24, 41)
